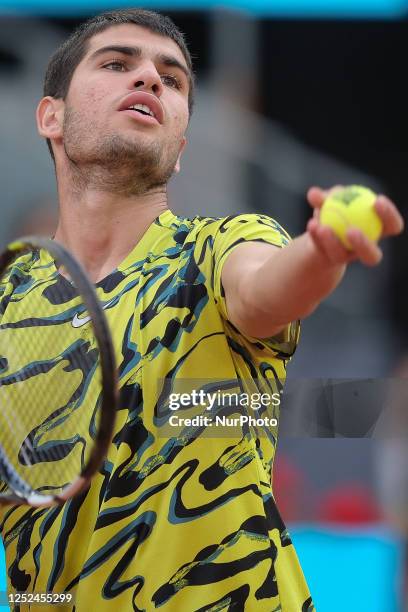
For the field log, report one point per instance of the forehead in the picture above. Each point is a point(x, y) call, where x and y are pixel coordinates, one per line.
point(129, 34)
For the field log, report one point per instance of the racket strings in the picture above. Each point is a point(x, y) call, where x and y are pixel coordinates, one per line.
point(49, 412)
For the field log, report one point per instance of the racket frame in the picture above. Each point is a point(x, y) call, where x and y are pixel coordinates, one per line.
point(23, 493)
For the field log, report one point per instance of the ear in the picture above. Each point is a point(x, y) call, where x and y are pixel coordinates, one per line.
point(50, 115)
point(182, 146)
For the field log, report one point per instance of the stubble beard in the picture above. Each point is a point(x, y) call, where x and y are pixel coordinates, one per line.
point(109, 161)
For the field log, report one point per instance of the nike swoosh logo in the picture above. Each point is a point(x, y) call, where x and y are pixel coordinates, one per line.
point(79, 322)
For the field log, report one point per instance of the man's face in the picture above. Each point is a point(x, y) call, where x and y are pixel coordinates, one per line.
point(149, 72)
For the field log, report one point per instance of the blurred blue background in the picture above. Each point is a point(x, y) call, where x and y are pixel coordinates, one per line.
point(286, 8)
point(291, 93)
point(351, 569)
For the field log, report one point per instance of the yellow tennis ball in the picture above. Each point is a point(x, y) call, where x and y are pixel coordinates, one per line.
point(350, 207)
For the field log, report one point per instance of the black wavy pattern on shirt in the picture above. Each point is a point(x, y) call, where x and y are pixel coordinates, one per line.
point(19, 579)
point(216, 474)
point(204, 571)
point(139, 532)
point(79, 358)
point(235, 600)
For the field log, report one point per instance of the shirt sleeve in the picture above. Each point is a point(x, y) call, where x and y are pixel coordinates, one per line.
point(231, 232)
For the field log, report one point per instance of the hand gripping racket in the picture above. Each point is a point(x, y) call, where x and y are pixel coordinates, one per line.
point(58, 379)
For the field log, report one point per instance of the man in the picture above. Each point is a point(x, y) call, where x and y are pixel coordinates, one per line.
point(183, 523)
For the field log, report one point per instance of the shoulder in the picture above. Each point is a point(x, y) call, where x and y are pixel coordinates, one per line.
point(247, 226)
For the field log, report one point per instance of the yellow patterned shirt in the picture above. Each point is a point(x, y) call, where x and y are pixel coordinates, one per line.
point(184, 522)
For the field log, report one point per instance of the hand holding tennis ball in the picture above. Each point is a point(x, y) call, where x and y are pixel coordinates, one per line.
point(357, 218)
point(352, 206)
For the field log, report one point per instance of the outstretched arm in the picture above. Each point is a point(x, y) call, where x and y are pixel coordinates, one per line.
point(267, 287)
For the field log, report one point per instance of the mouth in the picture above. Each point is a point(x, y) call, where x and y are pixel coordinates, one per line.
point(143, 107)
point(141, 117)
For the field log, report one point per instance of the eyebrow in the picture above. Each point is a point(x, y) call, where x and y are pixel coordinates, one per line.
point(161, 58)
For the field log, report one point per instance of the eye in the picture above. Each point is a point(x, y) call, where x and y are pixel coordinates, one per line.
point(116, 63)
point(171, 80)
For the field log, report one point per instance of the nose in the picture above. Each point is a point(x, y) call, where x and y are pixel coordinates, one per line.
point(148, 79)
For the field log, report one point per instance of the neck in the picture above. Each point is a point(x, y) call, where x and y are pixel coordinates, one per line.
point(101, 226)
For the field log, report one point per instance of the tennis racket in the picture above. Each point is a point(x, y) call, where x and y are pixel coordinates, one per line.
point(58, 379)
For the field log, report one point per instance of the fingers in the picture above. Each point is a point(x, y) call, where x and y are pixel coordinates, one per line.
point(328, 243)
point(316, 195)
point(392, 221)
point(363, 249)
point(367, 251)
